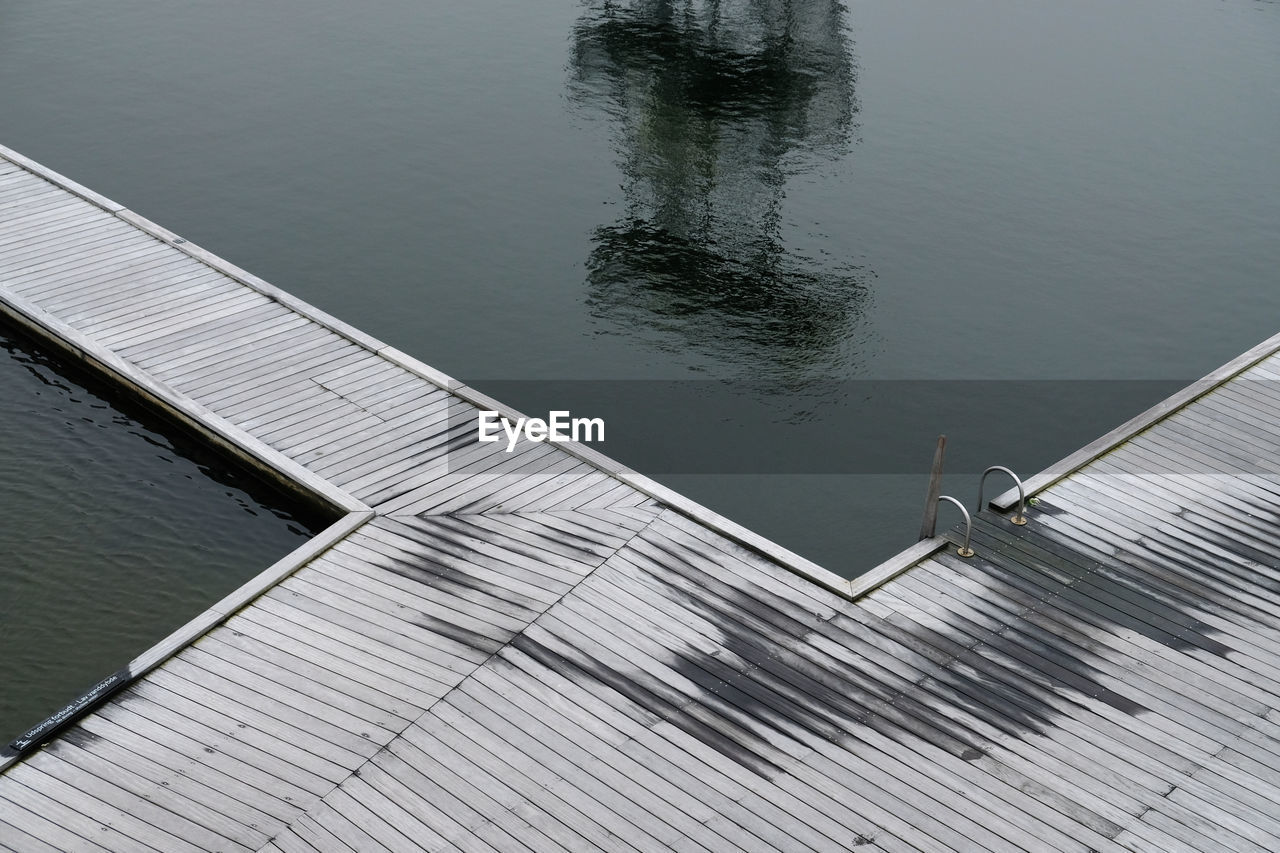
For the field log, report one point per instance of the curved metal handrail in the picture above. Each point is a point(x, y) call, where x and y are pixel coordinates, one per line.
point(964, 550)
point(1021, 516)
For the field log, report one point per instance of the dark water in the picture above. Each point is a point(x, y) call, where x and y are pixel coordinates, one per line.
point(115, 529)
point(790, 208)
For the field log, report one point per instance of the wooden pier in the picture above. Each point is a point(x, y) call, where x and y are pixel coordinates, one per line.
point(542, 650)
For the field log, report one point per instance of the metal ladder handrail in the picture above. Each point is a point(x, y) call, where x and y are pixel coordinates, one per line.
point(1020, 517)
point(964, 550)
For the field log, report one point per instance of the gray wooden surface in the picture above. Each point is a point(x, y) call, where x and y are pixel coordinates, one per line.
point(542, 651)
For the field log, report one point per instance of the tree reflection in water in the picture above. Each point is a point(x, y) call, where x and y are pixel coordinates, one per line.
point(715, 106)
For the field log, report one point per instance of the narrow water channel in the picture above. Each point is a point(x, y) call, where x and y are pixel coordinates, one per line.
point(115, 529)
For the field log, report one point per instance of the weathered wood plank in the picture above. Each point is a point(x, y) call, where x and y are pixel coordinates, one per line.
point(474, 479)
point(199, 349)
point(567, 476)
point(417, 646)
point(173, 282)
point(276, 810)
point(18, 206)
point(194, 311)
point(435, 641)
point(405, 441)
point(84, 266)
point(47, 820)
point(261, 383)
point(467, 604)
point(265, 770)
point(484, 793)
point(106, 803)
point(421, 681)
point(288, 409)
point(40, 226)
point(16, 840)
point(122, 288)
point(680, 768)
point(315, 742)
point(344, 706)
point(211, 829)
point(794, 704)
point(225, 797)
point(234, 307)
point(449, 538)
point(203, 380)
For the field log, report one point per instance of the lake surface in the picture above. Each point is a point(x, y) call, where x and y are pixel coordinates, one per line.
point(117, 529)
point(779, 246)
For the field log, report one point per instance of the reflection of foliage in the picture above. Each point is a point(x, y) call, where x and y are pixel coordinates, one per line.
point(766, 70)
point(716, 105)
point(764, 301)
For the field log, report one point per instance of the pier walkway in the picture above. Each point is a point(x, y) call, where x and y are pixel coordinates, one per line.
point(542, 650)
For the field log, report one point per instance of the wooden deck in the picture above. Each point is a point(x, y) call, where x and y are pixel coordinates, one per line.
point(544, 651)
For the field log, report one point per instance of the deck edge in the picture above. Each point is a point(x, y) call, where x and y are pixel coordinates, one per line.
point(225, 436)
point(63, 181)
point(1103, 445)
point(896, 565)
point(247, 592)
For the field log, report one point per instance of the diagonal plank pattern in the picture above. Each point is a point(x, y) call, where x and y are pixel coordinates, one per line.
point(273, 708)
point(529, 650)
